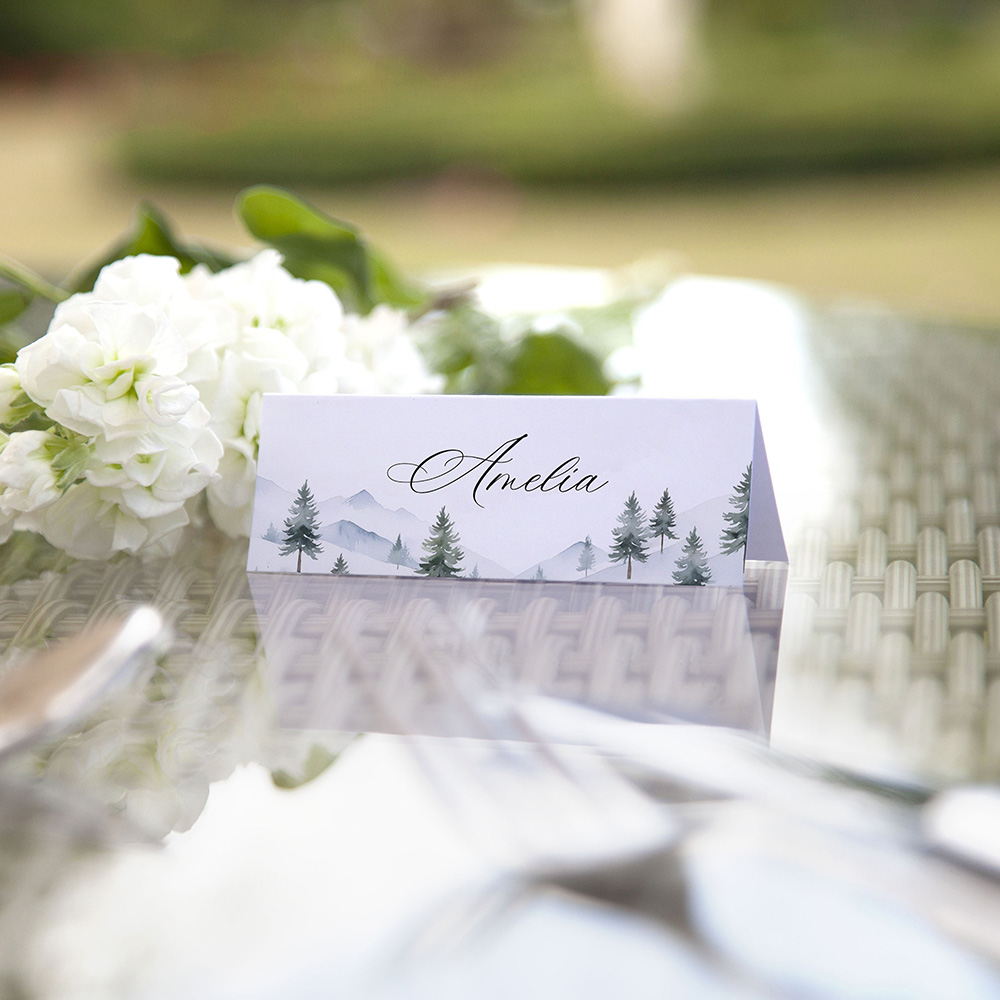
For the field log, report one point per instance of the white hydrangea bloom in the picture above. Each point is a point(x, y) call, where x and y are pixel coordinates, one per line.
point(230, 497)
point(385, 357)
point(27, 479)
point(293, 337)
point(10, 393)
point(162, 376)
point(113, 372)
point(264, 296)
point(133, 493)
point(155, 475)
point(236, 408)
point(92, 523)
point(199, 314)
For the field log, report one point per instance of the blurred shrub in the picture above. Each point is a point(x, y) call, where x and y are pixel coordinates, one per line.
point(540, 116)
point(169, 27)
point(862, 16)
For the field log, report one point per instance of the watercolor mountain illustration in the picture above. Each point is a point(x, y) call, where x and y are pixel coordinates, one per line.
point(706, 518)
point(563, 566)
point(357, 527)
point(362, 534)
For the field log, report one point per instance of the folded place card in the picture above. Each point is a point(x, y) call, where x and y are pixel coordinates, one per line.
point(579, 489)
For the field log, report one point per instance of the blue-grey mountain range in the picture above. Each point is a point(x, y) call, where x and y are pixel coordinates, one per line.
point(359, 523)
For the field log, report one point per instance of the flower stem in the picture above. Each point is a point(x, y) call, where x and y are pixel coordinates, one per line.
point(28, 279)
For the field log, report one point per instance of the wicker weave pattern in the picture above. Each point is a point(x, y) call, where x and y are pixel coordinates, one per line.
point(893, 614)
point(354, 653)
point(339, 651)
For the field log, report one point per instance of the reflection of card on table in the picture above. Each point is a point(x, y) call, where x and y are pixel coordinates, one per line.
point(589, 489)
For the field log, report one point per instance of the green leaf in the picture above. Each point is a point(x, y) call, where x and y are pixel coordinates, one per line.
point(29, 281)
point(469, 348)
point(317, 246)
point(553, 364)
point(151, 233)
point(12, 304)
point(465, 345)
point(314, 245)
point(69, 459)
point(391, 287)
point(26, 555)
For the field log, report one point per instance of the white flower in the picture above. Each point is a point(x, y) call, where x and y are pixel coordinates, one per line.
point(162, 375)
point(385, 357)
point(27, 479)
point(293, 337)
point(15, 405)
point(230, 497)
point(111, 371)
point(199, 314)
point(263, 294)
point(10, 394)
point(154, 477)
point(114, 373)
point(236, 410)
point(92, 523)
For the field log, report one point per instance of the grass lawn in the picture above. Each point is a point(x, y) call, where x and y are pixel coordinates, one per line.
point(332, 115)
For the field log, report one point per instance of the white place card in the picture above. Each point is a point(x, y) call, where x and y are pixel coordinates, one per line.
point(532, 488)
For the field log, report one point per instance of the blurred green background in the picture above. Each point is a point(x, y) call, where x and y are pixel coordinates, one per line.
point(848, 147)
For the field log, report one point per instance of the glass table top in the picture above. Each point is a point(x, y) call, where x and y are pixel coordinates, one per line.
point(188, 826)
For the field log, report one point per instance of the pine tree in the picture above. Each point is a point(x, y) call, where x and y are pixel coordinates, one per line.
point(587, 558)
point(734, 537)
point(539, 575)
point(692, 566)
point(630, 537)
point(399, 554)
point(271, 535)
point(340, 567)
point(301, 527)
point(443, 553)
point(663, 521)
point(474, 575)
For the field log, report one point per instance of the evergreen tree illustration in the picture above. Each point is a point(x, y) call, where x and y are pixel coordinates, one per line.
point(271, 535)
point(399, 554)
point(587, 558)
point(630, 535)
point(474, 575)
point(441, 545)
point(692, 565)
point(734, 537)
point(340, 567)
point(301, 527)
point(539, 575)
point(663, 521)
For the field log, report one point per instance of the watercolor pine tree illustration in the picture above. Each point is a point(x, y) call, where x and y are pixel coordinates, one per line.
point(664, 520)
point(692, 566)
point(587, 558)
point(272, 534)
point(443, 554)
point(399, 554)
point(340, 567)
point(630, 535)
point(734, 537)
point(539, 575)
point(301, 527)
point(474, 575)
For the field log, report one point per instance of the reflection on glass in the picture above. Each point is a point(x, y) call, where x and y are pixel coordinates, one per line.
point(357, 653)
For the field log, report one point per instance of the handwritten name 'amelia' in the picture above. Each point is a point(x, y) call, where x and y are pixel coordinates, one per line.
point(448, 466)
